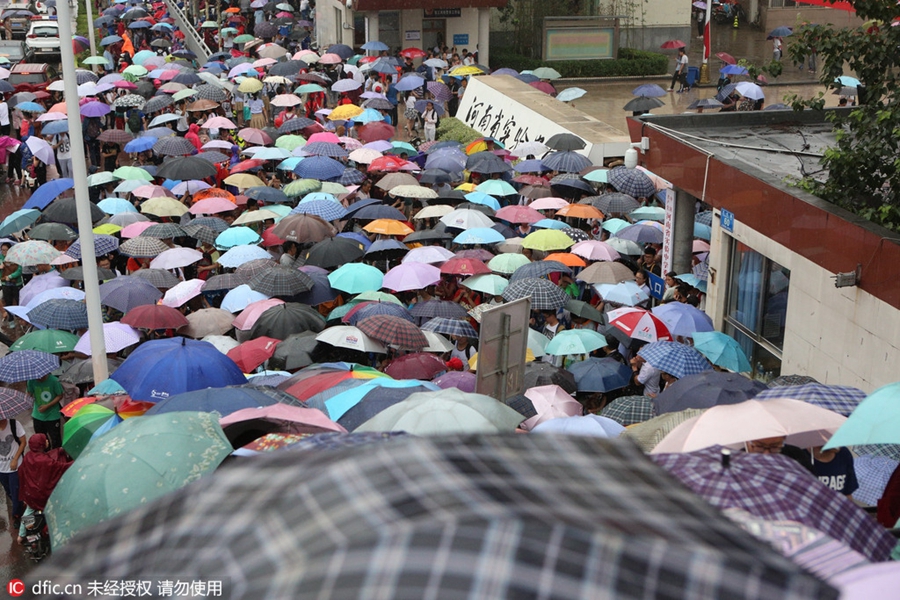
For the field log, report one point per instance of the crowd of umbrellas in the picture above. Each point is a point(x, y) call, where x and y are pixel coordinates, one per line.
point(292, 402)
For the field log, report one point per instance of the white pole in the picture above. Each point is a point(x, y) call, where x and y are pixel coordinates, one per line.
point(90, 22)
point(82, 198)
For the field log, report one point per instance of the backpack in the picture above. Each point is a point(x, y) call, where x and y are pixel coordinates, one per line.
point(92, 130)
point(134, 121)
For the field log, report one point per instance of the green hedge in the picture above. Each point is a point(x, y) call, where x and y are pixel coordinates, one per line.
point(451, 128)
point(630, 63)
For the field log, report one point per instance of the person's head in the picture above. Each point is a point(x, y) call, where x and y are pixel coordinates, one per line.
point(681, 51)
point(649, 254)
point(5, 247)
point(640, 278)
point(770, 445)
point(549, 315)
point(429, 105)
point(103, 262)
point(39, 442)
point(670, 279)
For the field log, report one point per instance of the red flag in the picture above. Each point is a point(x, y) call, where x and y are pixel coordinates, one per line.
point(840, 5)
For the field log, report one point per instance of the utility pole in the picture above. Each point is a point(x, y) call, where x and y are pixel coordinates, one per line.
point(82, 197)
point(707, 44)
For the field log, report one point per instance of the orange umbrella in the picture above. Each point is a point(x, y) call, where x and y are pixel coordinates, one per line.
point(233, 10)
point(570, 260)
point(127, 408)
point(388, 227)
point(213, 193)
point(75, 405)
point(59, 107)
point(580, 211)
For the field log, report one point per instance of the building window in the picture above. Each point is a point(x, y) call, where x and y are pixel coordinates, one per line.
point(389, 29)
point(782, 3)
point(757, 307)
point(338, 26)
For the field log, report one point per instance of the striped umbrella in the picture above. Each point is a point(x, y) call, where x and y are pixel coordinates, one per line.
point(458, 327)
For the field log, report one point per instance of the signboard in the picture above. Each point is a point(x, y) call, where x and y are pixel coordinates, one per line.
point(580, 38)
point(460, 39)
point(414, 35)
point(726, 220)
point(668, 232)
point(656, 284)
point(440, 13)
point(502, 344)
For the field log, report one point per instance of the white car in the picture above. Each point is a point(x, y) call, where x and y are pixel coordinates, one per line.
point(43, 37)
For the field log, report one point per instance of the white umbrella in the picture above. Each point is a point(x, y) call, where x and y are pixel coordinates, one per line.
point(175, 258)
point(346, 336)
point(181, 293)
point(750, 90)
point(117, 336)
point(436, 342)
point(41, 149)
point(223, 343)
point(466, 218)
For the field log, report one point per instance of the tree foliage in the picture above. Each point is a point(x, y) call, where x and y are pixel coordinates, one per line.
point(864, 166)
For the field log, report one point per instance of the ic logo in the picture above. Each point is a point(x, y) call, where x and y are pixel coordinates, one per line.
point(15, 587)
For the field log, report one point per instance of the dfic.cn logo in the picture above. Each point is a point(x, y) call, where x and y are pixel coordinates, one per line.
point(15, 587)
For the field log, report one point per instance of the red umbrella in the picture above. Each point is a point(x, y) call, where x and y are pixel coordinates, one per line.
point(154, 316)
point(367, 59)
point(269, 239)
point(639, 324)
point(530, 180)
point(673, 44)
point(726, 58)
point(387, 164)
point(419, 365)
point(377, 130)
point(394, 331)
point(413, 53)
point(464, 266)
point(544, 87)
point(519, 214)
point(249, 355)
point(246, 165)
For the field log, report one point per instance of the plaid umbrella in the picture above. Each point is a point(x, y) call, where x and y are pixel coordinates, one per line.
point(678, 360)
point(440, 91)
point(439, 308)
point(614, 203)
point(325, 149)
point(198, 232)
point(873, 474)
point(633, 182)
point(154, 316)
point(641, 234)
point(115, 136)
point(60, 313)
point(628, 410)
point(160, 278)
point(841, 399)
point(103, 244)
point(27, 364)
point(173, 146)
point(351, 177)
point(296, 124)
point(394, 331)
point(252, 268)
point(124, 293)
point(466, 536)
point(324, 209)
point(143, 247)
point(459, 327)
point(77, 274)
point(13, 402)
point(704, 218)
point(539, 269)
point(319, 167)
point(566, 162)
point(544, 295)
point(281, 281)
point(157, 103)
point(210, 92)
point(777, 488)
point(226, 281)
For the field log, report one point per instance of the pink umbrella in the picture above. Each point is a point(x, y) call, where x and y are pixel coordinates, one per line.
point(254, 310)
point(263, 63)
point(217, 145)
point(52, 116)
point(182, 292)
point(168, 75)
point(302, 53)
point(804, 425)
point(152, 191)
point(212, 206)
point(350, 143)
point(411, 276)
point(871, 582)
point(462, 380)
point(255, 136)
point(125, 85)
point(551, 402)
point(549, 203)
point(519, 214)
point(594, 250)
point(176, 258)
point(544, 87)
point(330, 59)
point(135, 229)
point(278, 417)
point(219, 123)
point(324, 136)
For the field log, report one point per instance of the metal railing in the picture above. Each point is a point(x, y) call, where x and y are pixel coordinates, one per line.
point(192, 39)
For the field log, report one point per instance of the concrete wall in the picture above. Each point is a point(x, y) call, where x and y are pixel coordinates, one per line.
point(330, 17)
point(466, 23)
point(770, 18)
point(837, 335)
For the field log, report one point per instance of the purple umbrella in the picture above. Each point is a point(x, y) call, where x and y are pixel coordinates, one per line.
point(411, 276)
point(321, 290)
point(462, 380)
point(41, 283)
point(126, 292)
point(95, 109)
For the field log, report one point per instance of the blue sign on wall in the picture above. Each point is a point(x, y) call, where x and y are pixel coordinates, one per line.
point(657, 285)
point(727, 220)
point(460, 39)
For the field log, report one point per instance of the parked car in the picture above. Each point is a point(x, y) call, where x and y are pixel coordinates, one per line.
point(17, 20)
point(43, 37)
point(15, 51)
point(31, 77)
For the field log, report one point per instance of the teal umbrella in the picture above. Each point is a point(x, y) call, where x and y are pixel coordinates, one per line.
point(496, 187)
point(355, 278)
point(722, 350)
point(575, 341)
point(19, 220)
point(875, 421)
point(133, 464)
point(487, 284)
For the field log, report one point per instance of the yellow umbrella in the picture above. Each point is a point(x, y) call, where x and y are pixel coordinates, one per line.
point(255, 216)
point(466, 70)
point(244, 180)
point(163, 207)
point(345, 112)
point(107, 229)
point(465, 187)
point(473, 360)
point(413, 191)
point(250, 86)
point(388, 227)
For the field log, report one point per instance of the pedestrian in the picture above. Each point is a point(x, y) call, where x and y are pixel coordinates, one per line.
point(700, 17)
point(680, 74)
point(47, 392)
point(12, 446)
point(776, 48)
point(4, 115)
point(430, 118)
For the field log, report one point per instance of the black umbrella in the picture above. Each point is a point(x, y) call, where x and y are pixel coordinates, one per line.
point(63, 210)
point(341, 50)
point(489, 166)
point(295, 352)
point(173, 145)
point(437, 176)
point(286, 319)
point(570, 182)
point(541, 373)
point(20, 97)
point(157, 103)
point(82, 371)
point(437, 234)
point(288, 69)
point(161, 43)
point(265, 30)
point(145, 88)
point(187, 167)
point(706, 390)
point(331, 253)
point(52, 232)
point(5, 87)
point(642, 103)
point(705, 103)
point(565, 141)
point(378, 104)
point(77, 274)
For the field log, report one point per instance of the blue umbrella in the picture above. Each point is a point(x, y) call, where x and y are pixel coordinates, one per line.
point(569, 94)
point(222, 401)
point(126, 292)
point(266, 194)
point(479, 235)
point(641, 234)
point(319, 167)
point(708, 389)
point(326, 209)
point(358, 237)
point(678, 360)
point(139, 25)
point(162, 368)
point(141, 144)
point(320, 292)
point(650, 90)
point(357, 405)
point(241, 254)
point(549, 224)
point(409, 83)
point(19, 220)
point(68, 315)
point(722, 350)
point(530, 166)
point(32, 107)
point(55, 127)
point(375, 46)
point(237, 236)
point(27, 364)
point(779, 32)
point(240, 297)
point(733, 70)
point(600, 375)
point(704, 232)
point(566, 162)
point(483, 199)
point(48, 192)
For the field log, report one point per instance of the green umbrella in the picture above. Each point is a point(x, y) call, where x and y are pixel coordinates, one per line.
point(487, 284)
point(445, 412)
point(546, 240)
point(355, 278)
point(309, 88)
point(101, 178)
point(342, 310)
point(495, 187)
point(82, 426)
point(95, 60)
point(875, 421)
point(243, 39)
point(132, 173)
point(46, 340)
point(584, 310)
point(137, 462)
point(507, 263)
point(289, 142)
point(615, 225)
point(575, 341)
point(182, 94)
point(377, 297)
point(302, 187)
